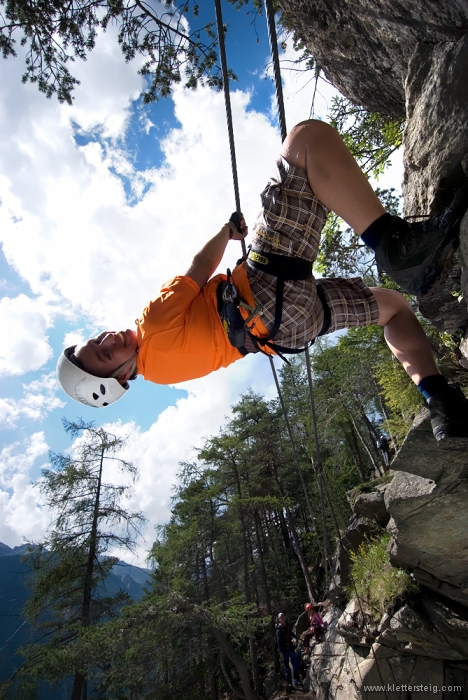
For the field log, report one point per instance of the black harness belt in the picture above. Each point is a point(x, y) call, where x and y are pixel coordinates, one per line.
point(283, 268)
point(286, 268)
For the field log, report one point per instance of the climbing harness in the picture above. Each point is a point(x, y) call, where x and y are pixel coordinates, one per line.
point(286, 268)
point(238, 329)
point(281, 266)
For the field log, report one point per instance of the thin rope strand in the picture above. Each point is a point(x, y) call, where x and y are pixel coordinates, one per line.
point(227, 102)
point(270, 15)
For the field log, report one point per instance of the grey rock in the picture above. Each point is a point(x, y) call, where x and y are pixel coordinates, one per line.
point(427, 503)
point(408, 631)
point(356, 625)
point(436, 148)
point(333, 663)
point(365, 46)
point(445, 304)
point(426, 580)
point(436, 137)
point(449, 620)
point(464, 276)
point(372, 506)
point(385, 666)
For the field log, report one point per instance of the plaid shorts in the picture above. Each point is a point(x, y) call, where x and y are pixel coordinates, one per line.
point(290, 223)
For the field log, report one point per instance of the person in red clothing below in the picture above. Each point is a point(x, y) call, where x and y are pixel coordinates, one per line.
point(181, 335)
point(317, 626)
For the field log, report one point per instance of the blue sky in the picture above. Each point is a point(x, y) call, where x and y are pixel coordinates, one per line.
point(100, 203)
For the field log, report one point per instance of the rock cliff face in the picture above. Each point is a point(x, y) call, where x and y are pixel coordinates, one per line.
point(365, 46)
point(406, 59)
point(425, 644)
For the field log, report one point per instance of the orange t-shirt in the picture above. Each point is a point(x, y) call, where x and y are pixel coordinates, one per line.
point(180, 334)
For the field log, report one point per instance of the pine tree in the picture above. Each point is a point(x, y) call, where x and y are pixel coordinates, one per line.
point(56, 33)
point(69, 568)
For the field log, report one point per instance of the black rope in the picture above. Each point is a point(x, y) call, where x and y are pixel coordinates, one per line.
point(270, 16)
point(320, 476)
point(227, 102)
point(293, 443)
point(319, 468)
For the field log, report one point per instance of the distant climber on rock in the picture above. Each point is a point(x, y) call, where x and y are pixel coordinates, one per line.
point(384, 447)
point(317, 625)
point(272, 303)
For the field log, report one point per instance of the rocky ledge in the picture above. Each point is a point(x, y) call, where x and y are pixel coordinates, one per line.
point(416, 648)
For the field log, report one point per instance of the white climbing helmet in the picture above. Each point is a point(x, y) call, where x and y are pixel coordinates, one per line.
point(85, 387)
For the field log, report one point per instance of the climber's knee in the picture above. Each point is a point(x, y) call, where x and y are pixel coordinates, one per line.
point(390, 303)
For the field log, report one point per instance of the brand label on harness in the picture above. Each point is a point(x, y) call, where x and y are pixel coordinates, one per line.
point(256, 257)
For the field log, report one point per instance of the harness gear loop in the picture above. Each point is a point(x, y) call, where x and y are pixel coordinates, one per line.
point(229, 291)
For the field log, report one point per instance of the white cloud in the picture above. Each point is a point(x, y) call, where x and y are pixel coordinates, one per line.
point(39, 399)
point(20, 457)
point(81, 242)
point(21, 515)
point(24, 345)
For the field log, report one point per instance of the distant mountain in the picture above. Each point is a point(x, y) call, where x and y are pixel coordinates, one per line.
point(6, 551)
point(14, 632)
point(136, 574)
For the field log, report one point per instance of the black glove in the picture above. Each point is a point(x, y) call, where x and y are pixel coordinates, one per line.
point(236, 218)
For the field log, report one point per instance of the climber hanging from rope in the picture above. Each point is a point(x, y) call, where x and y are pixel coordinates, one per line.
point(182, 333)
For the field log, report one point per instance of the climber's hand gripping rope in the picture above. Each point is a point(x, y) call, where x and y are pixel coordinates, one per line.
point(239, 228)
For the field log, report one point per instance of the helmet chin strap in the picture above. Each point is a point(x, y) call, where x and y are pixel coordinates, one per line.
point(131, 363)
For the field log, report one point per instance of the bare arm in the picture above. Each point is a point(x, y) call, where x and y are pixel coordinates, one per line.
point(208, 258)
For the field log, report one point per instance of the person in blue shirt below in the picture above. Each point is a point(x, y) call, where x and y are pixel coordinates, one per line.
point(284, 635)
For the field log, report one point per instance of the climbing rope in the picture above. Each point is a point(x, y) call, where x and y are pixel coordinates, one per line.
point(279, 96)
point(227, 103)
point(270, 16)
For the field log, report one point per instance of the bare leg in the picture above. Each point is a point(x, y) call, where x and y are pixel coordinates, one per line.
point(404, 334)
point(339, 183)
point(333, 174)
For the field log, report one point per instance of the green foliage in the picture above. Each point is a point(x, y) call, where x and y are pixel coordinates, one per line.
point(374, 579)
point(252, 517)
point(372, 138)
point(402, 398)
point(243, 514)
point(57, 33)
point(342, 252)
